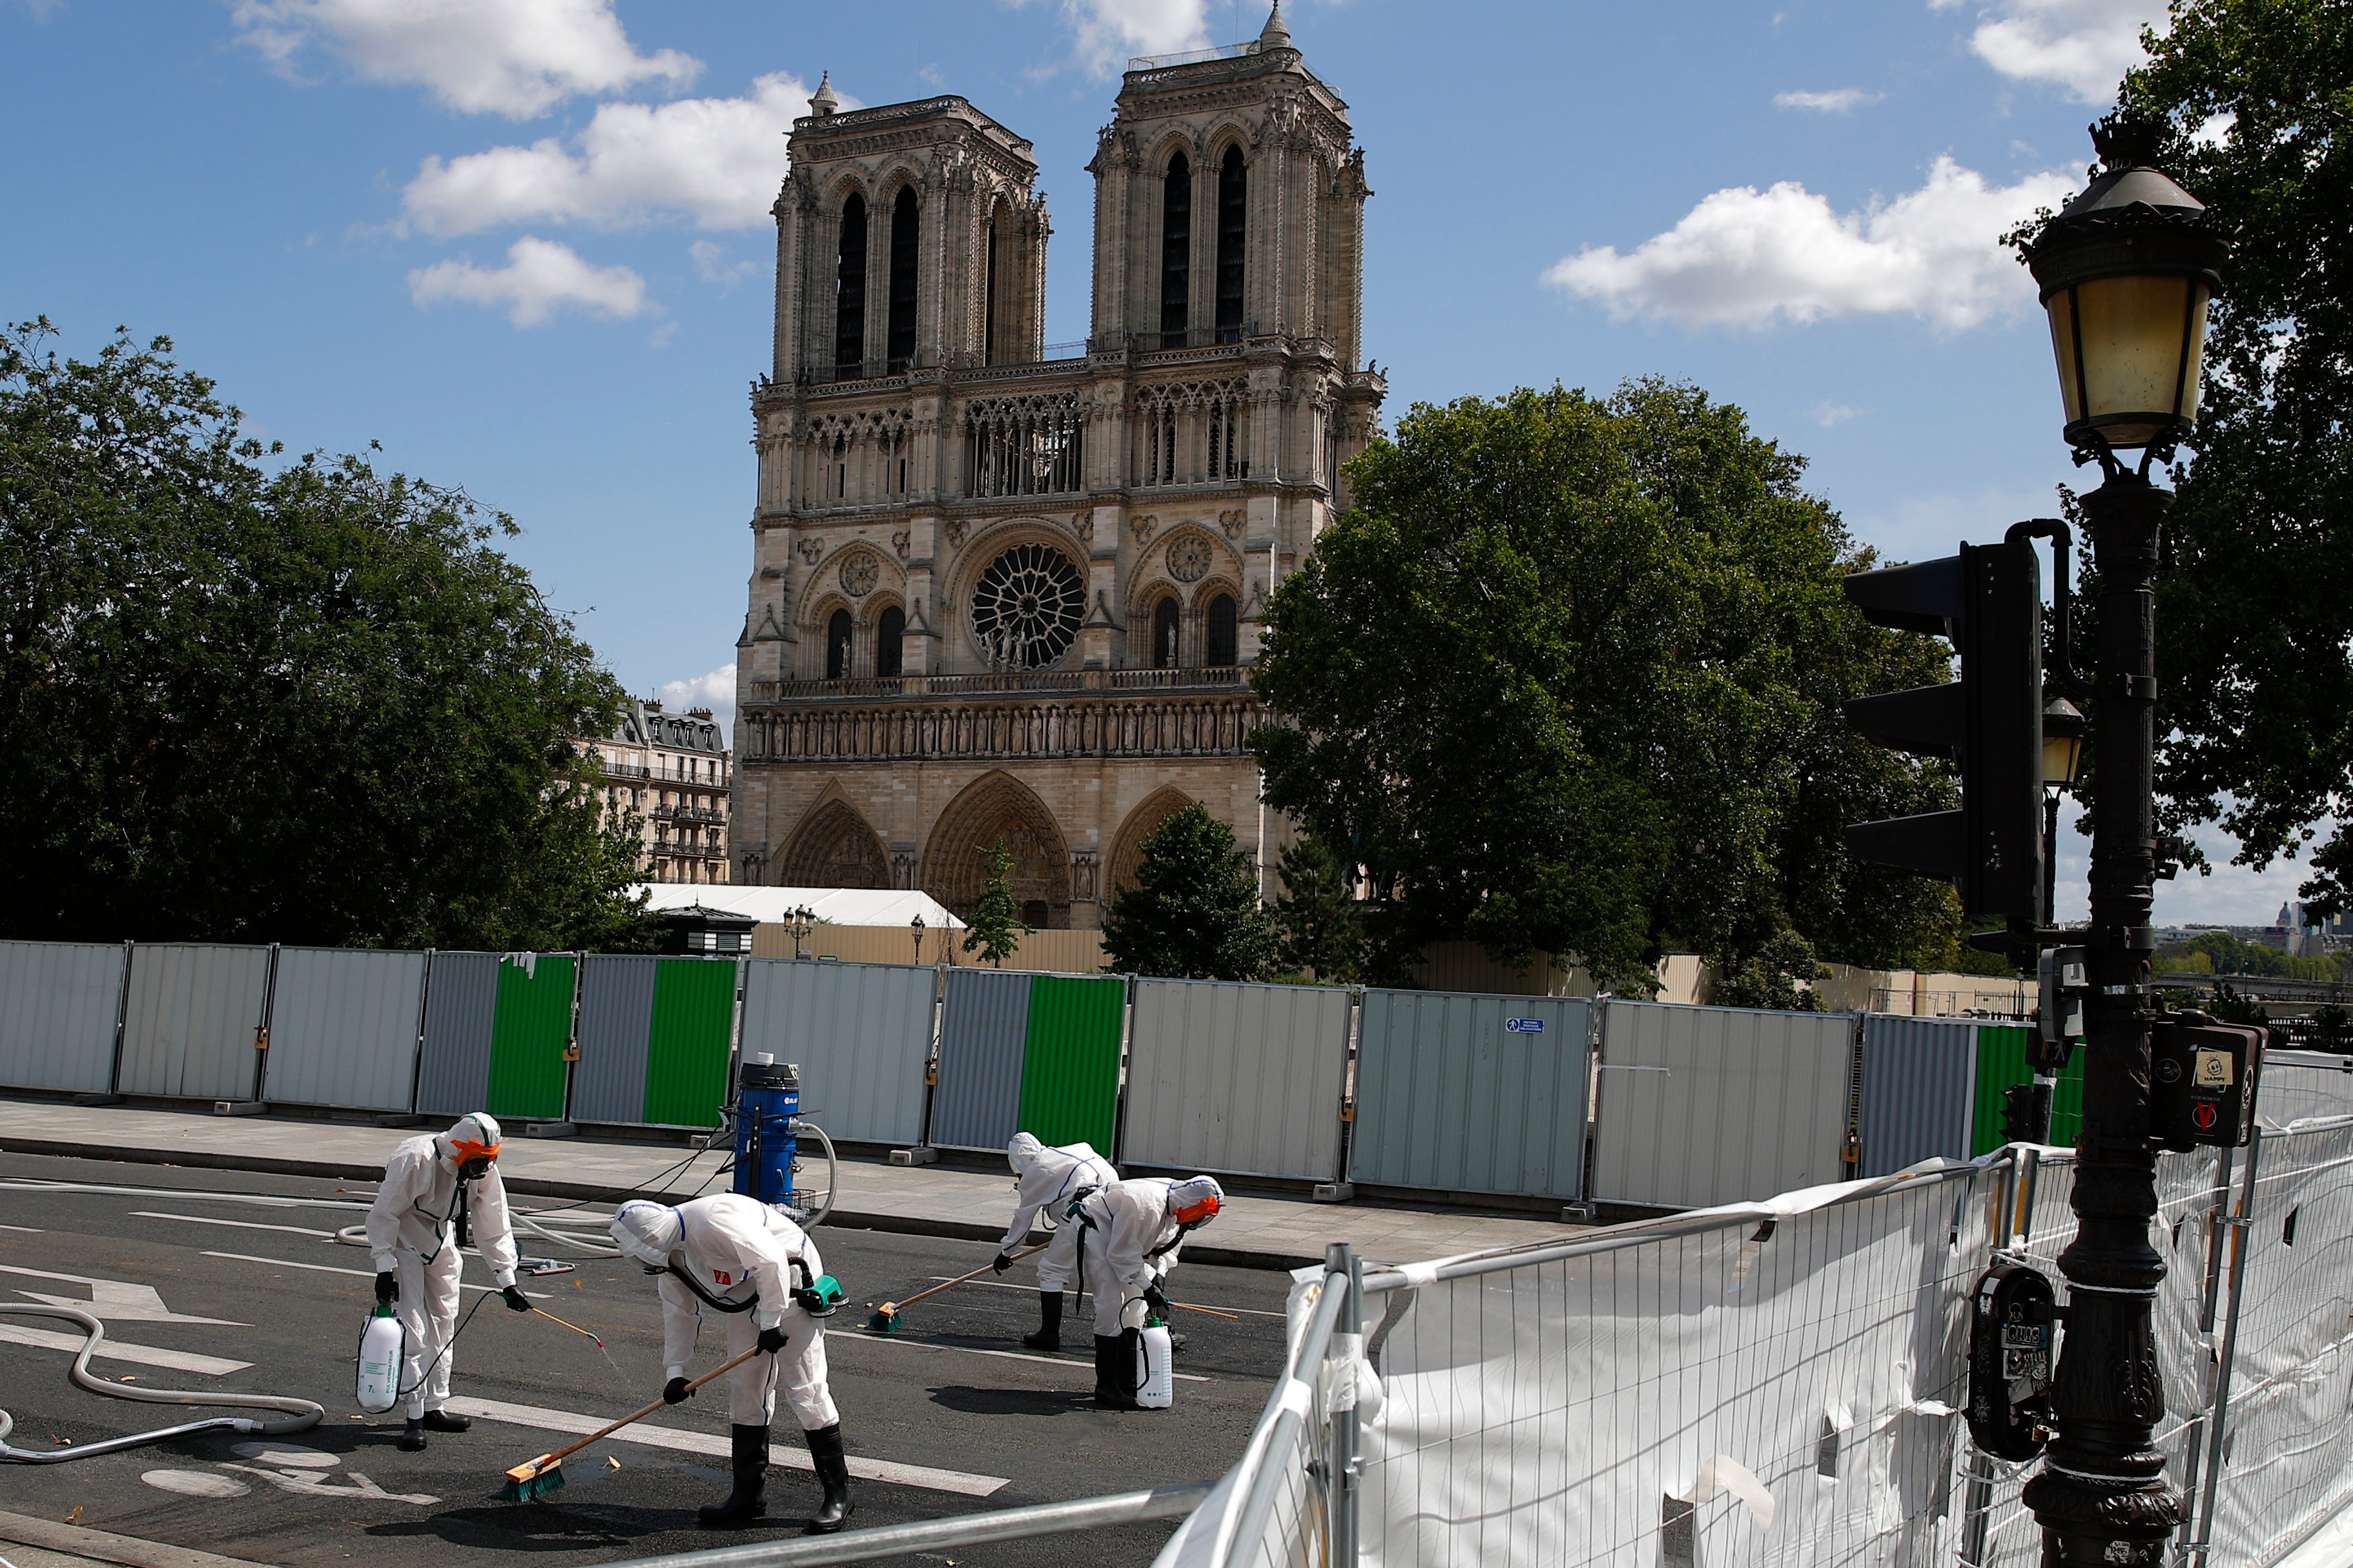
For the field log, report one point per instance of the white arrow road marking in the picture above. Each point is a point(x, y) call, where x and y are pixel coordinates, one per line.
point(292, 1454)
point(115, 1349)
point(302, 1483)
point(355, 1273)
point(718, 1447)
point(237, 1224)
point(117, 1299)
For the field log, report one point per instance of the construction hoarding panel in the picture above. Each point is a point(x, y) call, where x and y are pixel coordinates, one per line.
point(58, 1004)
point(1919, 1079)
point(343, 1024)
point(531, 1029)
point(859, 1033)
point(191, 1020)
point(453, 1068)
point(1069, 1071)
point(984, 1038)
point(1458, 1093)
point(1700, 1106)
point(616, 1020)
point(1242, 1079)
point(693, 1030)
point(2001, 1064)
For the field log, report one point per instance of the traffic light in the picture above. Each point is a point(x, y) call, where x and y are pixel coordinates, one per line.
point(1989, 601)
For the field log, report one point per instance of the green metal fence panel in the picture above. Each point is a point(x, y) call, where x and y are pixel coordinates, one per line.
point(2002, 1063)
point(1070, 1068)
point(694, 1025)
point(531, 1025)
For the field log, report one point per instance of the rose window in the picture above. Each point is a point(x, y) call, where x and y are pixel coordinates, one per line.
point(1026, 607)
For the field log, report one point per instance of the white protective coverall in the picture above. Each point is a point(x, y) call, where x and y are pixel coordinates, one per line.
point(412, 1231)
point(737, 1248)
point(1125, 1221)
point(1046, 1180)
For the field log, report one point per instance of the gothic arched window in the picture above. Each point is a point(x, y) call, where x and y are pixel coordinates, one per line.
point(888, 628)
point(906, 232)
point(989, 295)
point(1175, 252)
point(850, 290)
point(1233, 224)
point(1164, 635)
point(836, 646)
point(1221, 649)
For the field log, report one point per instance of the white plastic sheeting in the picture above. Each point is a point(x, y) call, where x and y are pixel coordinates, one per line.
point(343, 1024)
point(2297, 1086)
point(1701, 1106)
point(58, 1003)
point(861, 1033)
point(190, 1020)
point(1242, 1080)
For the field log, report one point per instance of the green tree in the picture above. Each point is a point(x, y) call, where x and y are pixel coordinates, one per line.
point(994, 928)
point(1193, 913)
point(2255, 710)
point(1318, 921)
point(301, 701)
point(1778, 975)
point(1566, 679)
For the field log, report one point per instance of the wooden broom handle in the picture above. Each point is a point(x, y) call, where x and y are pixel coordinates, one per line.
point(649, 1410)
point(963, 1279)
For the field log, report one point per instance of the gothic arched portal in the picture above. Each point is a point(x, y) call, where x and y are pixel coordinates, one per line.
point(834, 848)
point(1127, 850)
point(1000, 806)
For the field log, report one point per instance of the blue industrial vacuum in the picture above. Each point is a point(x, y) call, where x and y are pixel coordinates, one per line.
point(767, 1115)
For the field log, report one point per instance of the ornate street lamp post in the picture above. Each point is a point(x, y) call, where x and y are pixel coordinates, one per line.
point(2126, 274)
point(916, 925)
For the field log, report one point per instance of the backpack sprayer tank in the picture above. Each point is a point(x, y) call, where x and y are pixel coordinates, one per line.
point(768, 1103)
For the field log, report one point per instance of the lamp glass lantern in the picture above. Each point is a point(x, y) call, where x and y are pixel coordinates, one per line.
point(2062, 742)
point(2126, 271)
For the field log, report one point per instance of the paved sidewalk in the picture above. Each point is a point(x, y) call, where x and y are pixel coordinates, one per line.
point(30, 1543)
point(1254, 1231)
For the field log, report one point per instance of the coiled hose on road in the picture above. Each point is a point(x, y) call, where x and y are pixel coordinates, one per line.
point(305, 1413)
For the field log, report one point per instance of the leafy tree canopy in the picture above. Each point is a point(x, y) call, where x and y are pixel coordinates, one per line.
point(1318, 921)
point(994, 930)
point(1566, 679)
point(307, 703)
point(1193, 913)
point(2255, 615)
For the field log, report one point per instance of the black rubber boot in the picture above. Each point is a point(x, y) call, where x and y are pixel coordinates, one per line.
point(832, 1468)
point(442, 1421)
point(412, 1436)
point(1048, 1336)
point(748, 1501)
point(1115, 1372)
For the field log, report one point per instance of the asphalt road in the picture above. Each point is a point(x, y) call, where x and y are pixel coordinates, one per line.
point(967, 1418)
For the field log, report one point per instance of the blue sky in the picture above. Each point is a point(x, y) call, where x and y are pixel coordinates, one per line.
point(524, 244)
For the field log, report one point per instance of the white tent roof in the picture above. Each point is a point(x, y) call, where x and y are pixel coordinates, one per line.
point(836, 906)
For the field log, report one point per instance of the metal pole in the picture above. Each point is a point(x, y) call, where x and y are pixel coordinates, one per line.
point(2241, 1226)
point(1349, 1343)
point(2101, 1497)
point(2218, 1229)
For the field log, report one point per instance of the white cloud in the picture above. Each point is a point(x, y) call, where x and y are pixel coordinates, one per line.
point(539, 278)
point(1747, 258)
point(713, 264)
point(2082, 45)
point(717, 161)
point(515, 57)
point(1106, 33)
point(715, 691)
point(1827, 414)
point(1837, 101)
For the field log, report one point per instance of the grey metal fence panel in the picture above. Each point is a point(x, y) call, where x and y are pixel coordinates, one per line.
point(1919, 1090)
point(58, 1003)
point(2296, 1086)
point(342, 1028)
point(189, 1020)
point(461, 998)
point(617, 1028)
point(1701, 1106)
point(860, 1033)
point(983, 1038)
point(1245, 1080)
point(1472, 1093)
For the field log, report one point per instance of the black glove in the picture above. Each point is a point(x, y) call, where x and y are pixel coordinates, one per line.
point(773, 1339)
point(387, 1286)
point(1155, 1303)
point(516, 1301)
point(675, 1392)
point(1004, 1261)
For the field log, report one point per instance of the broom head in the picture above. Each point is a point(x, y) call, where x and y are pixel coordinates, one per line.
point(885, 1320)
point(533, 1478)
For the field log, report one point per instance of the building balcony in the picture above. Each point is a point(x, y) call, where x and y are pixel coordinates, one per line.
point(689, 851)
point(688, 813)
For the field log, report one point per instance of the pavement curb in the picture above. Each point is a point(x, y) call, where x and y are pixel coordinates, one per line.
point(108, 1547)
point(840, 1219)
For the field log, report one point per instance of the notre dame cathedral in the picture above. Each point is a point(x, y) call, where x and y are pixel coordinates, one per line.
point(1002, 595)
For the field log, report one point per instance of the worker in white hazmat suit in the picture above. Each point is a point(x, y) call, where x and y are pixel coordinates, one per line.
point(736, 1256)
point(1047, 1181)
point(441, 1194)
point(1129, 1234)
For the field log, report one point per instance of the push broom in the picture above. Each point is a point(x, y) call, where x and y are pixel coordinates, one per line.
point(885, 1320)
point(538, 1478)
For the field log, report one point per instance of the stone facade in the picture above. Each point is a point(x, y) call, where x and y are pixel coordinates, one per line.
point(999, 594)
point(674, 771)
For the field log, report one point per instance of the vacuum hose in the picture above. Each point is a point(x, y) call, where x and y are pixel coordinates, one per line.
point(304, 1413)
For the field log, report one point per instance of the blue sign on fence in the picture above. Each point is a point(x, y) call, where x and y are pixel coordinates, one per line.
point(1524, 1025)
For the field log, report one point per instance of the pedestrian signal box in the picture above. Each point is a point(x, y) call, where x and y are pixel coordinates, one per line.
point(2013, 1322)
point(2202, 1081)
